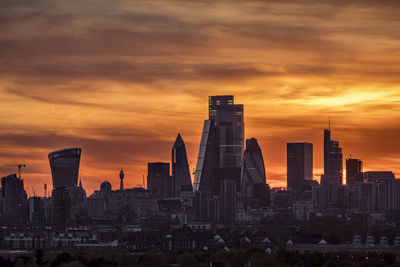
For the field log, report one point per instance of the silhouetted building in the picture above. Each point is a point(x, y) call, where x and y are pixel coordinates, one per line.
point(329, 196)
point(228, 118)
point(354, 171)
point(61, 207)
point(14, 199)
point(180, 168)
point(361, 196)
point(64, 166)
point(387, 192)
point(205, 176)
point(254, 190)
point(158, 179)
point(299, 164)
point(333, 161)
point(38, 211)
point(121, 177)
point(228, 200)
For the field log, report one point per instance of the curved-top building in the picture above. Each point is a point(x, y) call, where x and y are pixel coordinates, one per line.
point(253, 181)
point(64, 165)
point(180, 168)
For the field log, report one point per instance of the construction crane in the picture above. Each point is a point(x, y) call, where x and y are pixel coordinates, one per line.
point(20, 166)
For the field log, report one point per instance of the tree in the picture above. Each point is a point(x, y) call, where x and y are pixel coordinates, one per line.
point(39, 254)
point(186, 259)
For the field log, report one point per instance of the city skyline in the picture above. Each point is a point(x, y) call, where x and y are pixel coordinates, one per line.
point(123, 102)
point(316, 176)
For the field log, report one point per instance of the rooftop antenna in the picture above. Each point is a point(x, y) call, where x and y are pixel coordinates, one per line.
point(329, 123)
point(143, 180)
point(45, 190)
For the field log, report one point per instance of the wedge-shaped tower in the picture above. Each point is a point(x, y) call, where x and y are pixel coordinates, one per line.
point(180, 168)
point(208, 160)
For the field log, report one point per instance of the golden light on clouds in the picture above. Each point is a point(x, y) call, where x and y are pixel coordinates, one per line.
point(120, 79)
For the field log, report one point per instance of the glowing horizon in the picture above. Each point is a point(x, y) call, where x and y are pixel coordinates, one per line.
point(121, 80)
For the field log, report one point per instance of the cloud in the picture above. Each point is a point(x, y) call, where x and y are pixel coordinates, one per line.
point(120, 80)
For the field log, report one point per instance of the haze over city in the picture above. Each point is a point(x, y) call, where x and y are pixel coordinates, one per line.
point(122, 81)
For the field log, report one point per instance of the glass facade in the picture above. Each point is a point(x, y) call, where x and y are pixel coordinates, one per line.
point(207, 160)
point(64, 166)
point(180, 168)
point(299, 164)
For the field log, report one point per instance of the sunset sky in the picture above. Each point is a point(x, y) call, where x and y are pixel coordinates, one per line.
point(120, 79)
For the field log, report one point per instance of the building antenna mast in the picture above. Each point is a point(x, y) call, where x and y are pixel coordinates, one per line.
point(329, 123)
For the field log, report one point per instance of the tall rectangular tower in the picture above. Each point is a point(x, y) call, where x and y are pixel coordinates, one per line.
point(228, 117)
point(299, 164)
point(158, 178)
point(353, 171)
point(333, 161)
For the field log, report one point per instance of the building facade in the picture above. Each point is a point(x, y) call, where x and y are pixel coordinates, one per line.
point(64, 166)
point(299, 164)
point(181, 180)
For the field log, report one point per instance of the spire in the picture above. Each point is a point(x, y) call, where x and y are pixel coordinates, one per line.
point(80, 182)
point(178, 141)
point(329, 123)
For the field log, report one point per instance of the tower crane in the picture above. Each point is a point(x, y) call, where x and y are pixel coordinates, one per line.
point(20, 166)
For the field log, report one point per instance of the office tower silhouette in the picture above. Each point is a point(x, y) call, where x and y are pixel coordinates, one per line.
point(181, 180)
point(353, 171)
point(254, 190)
point(299, 164)
point(64, 166)
point(14, 198)
point(205, 177)
point(333, 161)
point(158, 179)
point(228, 118)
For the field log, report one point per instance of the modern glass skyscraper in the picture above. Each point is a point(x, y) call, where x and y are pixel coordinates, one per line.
point(64, 166)
point(180, 168)
point(255, 192)
point(299, 164)
point(208, 160)
point(158, 178)
point(253, 168)
point(333, 161)
point(353, 171)
point(228, 118)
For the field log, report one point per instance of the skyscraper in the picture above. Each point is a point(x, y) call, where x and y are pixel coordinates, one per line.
point(158, 178)
point(333, 161)
point(353, 171)
point(180, 168)
point(64, 166)
point(228, 118)
point(254, 190)
point(205, 176)
point(14, 197)
point(299, 164)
